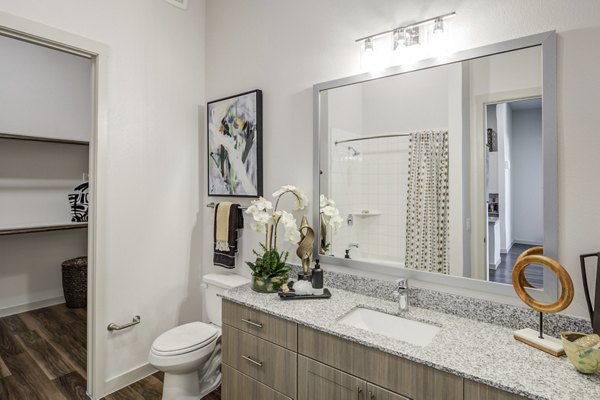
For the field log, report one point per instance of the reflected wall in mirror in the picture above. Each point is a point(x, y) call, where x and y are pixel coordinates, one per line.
point(437, 169)
point(514, 186)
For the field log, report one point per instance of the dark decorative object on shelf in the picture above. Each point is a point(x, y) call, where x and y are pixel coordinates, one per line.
point(79, 203)
point(74, 279)
point(235, 145)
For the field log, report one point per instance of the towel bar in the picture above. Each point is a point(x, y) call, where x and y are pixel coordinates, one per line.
point(213, 205)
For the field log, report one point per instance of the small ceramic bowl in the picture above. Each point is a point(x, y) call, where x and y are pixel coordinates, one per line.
point(585, 359)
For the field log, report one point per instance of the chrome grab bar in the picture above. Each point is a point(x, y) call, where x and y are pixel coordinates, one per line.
point(247, 358)
point(114, 327)
point(256, 324)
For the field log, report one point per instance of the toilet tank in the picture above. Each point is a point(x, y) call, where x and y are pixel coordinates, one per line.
point(215, 284)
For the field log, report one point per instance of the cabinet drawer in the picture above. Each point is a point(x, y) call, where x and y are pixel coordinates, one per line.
point(478, 391)
point(273, 329)
point(408, 378)
point(237, 386)
point(377, 393)
point(266, 362)
point(317, 381)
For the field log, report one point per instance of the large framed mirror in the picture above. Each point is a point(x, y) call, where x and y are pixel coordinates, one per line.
point(445, 170)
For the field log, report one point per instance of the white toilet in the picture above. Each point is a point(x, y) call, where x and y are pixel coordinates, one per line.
point(190, 354)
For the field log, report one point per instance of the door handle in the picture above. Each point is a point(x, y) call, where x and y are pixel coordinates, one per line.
point(358, 392)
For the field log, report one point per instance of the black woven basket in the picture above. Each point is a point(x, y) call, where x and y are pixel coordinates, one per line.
point(74, 279)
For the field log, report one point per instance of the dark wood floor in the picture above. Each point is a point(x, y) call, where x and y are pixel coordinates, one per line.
point(150, 388)
point(503, 274)
point(43, 356)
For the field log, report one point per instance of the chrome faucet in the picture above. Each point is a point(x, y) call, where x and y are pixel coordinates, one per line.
point(401, 293)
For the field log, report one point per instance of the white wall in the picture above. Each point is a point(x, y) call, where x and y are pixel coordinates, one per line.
point(44, 92)
point(504, 168)
point(153, 240)
point(30, 268)
point(492, 155)
point(298, 44)
point(35, 179)
point(392, 104)
point(526, 164)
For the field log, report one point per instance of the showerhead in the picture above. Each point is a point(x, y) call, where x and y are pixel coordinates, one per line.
point(354, 151)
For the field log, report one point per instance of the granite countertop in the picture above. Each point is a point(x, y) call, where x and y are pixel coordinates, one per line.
point(475, 350)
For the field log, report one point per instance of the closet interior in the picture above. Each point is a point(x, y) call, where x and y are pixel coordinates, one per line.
point(45, 130)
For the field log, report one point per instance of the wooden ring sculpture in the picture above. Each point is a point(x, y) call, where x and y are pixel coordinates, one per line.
point(520, 283)
point(534, 251)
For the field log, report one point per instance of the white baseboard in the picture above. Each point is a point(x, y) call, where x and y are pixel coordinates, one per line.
point(528, 242)
point(120, 381)
point(495, 265)
point(5, 312)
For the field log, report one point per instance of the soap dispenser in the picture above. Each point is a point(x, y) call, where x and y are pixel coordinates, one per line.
point(317, 278)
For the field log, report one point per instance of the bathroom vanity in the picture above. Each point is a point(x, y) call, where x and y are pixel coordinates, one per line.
point(274, 349)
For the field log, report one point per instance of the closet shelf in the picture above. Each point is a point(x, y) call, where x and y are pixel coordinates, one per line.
point(43, 139)
point(16, 230)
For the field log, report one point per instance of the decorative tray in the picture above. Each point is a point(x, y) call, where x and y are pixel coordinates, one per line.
point(291, 295)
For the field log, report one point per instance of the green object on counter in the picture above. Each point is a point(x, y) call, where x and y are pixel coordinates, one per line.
point(585, 359)
point(268, 285)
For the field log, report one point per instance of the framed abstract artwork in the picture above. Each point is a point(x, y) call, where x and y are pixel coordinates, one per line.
point(235, 145)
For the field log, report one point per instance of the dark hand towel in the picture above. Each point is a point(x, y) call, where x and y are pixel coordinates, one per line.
point(223, 258)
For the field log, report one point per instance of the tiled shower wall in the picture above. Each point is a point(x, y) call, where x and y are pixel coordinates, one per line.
point(375, 181)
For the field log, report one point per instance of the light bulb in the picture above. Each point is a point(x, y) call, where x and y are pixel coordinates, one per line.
point(438, 26)
point(368, 44)
point(398, 38)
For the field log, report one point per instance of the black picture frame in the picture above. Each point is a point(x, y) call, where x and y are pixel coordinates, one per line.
point(230, 111)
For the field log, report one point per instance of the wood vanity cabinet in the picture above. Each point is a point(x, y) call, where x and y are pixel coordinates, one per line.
point(412, 380)
point(317, 381)
point(478, 391)
point(268, 358)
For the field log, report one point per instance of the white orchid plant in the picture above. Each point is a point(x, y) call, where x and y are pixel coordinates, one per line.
point(267, 219)
point(330, 217)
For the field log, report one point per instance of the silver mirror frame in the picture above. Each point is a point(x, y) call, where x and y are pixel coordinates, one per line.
point(547, 41)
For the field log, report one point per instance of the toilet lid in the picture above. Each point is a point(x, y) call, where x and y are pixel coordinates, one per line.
point(184, 339)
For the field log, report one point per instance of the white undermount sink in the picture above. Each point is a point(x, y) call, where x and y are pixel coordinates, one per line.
point(406, 330)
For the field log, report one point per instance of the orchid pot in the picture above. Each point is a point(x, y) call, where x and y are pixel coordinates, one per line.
point(270, 270)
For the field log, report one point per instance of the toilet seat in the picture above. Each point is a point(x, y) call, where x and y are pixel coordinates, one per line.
point(184, 339)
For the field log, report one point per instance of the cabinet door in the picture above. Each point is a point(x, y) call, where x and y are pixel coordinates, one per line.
point(237, 386)
point(377, 393)
point(413, 380)
point(317, 381)
point(261, 360)
point(479, 391)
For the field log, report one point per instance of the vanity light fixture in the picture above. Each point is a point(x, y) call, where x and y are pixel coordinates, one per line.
point(405, 39)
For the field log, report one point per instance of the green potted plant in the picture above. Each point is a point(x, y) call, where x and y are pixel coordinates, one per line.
point(270, 269)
